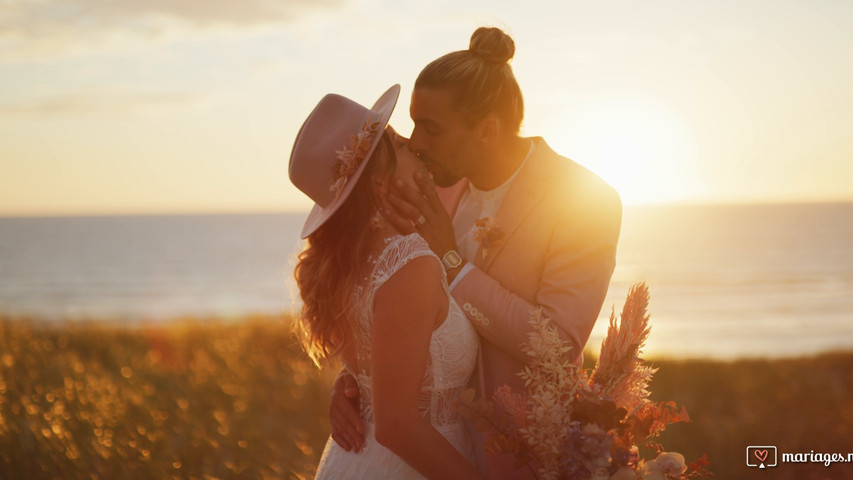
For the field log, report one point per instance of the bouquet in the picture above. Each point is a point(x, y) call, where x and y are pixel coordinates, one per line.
point(578, 424)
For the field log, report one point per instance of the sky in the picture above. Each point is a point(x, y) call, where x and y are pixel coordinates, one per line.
point(184, 106)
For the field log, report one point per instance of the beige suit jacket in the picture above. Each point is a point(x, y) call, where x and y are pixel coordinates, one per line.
point(560, 223)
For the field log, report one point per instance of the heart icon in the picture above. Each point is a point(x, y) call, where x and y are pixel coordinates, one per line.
point(760, 454)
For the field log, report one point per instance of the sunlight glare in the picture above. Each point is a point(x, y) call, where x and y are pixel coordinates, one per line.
point(640, 147)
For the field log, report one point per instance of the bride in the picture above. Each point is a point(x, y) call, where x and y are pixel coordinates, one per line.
point(378, 300)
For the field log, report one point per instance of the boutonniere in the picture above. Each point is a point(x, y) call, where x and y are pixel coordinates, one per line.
point(488, 234)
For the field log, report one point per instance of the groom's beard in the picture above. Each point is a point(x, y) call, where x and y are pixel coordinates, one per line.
point(440, 175)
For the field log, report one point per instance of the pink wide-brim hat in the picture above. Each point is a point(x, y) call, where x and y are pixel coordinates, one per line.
point(337, 131)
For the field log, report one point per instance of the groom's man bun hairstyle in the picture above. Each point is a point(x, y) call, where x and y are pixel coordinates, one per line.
point(480, 79)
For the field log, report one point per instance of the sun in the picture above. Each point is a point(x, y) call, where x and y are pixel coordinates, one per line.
point(640, 147)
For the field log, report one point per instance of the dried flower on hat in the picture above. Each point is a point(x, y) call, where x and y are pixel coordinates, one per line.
point(350, 156)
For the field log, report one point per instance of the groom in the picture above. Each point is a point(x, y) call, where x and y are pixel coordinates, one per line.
point(517, 226)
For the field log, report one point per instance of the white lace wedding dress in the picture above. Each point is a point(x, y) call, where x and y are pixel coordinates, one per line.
point(452, 355)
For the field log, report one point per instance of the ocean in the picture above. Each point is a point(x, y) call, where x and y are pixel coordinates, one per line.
point(726, 281)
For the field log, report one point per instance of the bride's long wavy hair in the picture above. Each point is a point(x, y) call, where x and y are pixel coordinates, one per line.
point(334, 260)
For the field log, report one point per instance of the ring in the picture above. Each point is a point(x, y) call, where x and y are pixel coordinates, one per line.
point(421, 220)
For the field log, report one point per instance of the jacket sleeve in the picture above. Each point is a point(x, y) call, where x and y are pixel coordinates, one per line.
point(577, 267)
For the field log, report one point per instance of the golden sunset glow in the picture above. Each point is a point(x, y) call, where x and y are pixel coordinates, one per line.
point(641, 148)
point(188, 107)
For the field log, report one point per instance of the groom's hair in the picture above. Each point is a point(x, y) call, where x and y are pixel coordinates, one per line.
point(480, 78)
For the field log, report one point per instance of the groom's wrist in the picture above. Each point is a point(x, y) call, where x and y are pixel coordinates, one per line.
point(453, 272)
point(458, 275)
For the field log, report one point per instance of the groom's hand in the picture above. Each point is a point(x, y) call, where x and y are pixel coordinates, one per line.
point(347, 426)
point(421, 210)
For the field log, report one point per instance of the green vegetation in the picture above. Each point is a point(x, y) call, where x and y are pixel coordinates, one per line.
point(208, 399)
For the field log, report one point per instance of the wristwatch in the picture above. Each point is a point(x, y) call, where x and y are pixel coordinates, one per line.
point(451, 259)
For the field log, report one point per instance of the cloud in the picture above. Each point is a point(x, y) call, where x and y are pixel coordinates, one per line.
point(82, 103)
point(32, 27)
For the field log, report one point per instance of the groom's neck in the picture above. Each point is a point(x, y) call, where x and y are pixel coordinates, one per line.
point(500, 163)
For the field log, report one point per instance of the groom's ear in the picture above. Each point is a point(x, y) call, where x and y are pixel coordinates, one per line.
point(488, 129)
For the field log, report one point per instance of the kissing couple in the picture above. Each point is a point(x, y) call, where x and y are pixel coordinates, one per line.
point(425, 257)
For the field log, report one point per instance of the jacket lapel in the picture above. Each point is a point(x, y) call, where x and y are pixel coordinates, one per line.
point(526, 191)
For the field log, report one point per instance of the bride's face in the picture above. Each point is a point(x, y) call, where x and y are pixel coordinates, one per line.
point(407, 163)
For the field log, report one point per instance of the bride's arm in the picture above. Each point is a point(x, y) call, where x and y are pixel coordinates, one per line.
point(406, 310)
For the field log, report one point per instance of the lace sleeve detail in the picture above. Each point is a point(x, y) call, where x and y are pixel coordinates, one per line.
point(453, 344)
point(400, 251)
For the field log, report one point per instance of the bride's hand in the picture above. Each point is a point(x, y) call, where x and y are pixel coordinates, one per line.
point(347, 426)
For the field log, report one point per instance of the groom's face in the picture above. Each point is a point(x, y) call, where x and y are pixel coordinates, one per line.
point(441, 137)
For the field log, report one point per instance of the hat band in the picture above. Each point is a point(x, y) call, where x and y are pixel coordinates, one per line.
point(352, 155)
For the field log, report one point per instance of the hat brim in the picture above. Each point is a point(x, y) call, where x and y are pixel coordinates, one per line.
point(384, 107)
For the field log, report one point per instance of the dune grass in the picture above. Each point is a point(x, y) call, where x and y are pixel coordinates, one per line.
point(799, 405)
point(211, 399)
point(192, 400)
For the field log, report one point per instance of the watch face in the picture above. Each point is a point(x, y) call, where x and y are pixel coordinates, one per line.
point(451, 259)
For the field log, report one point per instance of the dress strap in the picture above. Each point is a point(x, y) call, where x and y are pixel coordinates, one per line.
point(399, 251)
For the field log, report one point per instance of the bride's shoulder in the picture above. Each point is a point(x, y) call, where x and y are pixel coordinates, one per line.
point(413, 241)
point(416, 276)
point(405, 247)
point(401, 250)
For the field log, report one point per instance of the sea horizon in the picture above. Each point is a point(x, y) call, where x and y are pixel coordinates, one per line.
point(189, 212)
point(726, 280)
